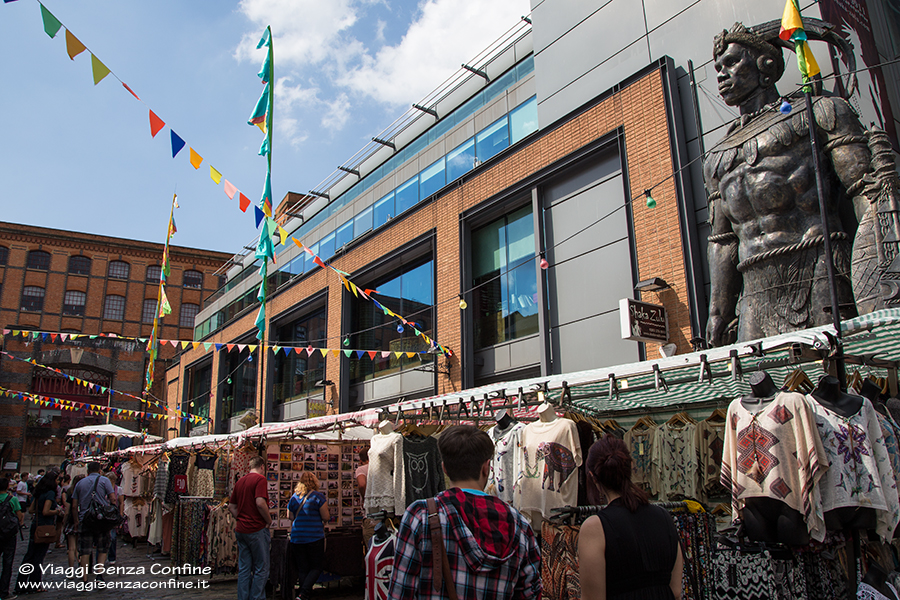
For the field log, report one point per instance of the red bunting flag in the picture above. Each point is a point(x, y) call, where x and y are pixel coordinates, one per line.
point(130, 91)
point(155, 124)
point(245, 202)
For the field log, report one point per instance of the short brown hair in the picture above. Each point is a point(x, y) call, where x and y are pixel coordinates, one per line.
point(256, 462)
point(464, 449)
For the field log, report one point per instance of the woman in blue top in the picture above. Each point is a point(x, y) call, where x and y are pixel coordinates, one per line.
point(309, 511)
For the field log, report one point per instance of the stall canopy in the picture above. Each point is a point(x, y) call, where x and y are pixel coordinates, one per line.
point(110, 430)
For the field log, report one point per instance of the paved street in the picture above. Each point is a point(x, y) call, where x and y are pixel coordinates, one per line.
point(144, 576)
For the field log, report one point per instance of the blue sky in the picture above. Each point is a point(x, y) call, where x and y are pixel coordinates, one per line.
point(80, 157)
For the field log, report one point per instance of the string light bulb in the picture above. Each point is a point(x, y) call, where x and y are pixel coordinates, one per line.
point(651, 203)
point(544, 264)
point(463, 305)
point(399, 327)
point(785, 107)
point(346, 340)
point(249, 358)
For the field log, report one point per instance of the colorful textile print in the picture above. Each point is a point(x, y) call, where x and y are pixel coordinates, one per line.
point(559, 564)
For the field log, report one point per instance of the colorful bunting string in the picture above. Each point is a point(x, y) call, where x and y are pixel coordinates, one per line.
point(162, 302)
point(94, 409)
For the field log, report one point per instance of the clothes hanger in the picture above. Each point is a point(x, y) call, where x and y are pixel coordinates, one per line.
point(644, 422)
point(854, 382)
point(798, 381)
point(717, 415)
point(680, 418)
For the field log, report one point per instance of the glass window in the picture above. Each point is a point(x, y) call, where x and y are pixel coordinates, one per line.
point(407, 195)
point(239, 389)
point(499, 85)
point(33, 298)
point(504, 279)
point(343, 235)
point(148, 311)
point(193, 280)
point(326, 247)
point(38, 259)
point(79, 265)
point(201, 385)
point(461, 160)
point(73, 303)
point(384, 210)
point(295, 267)
point(188, 312)
point(118, 269)
point(410, 293)
point(362, 222)
point(492, 139)
point(4, 255)
point(114, 308)
point(296, 374)
point(154, 272)
point(431, 179)
point(523, 120)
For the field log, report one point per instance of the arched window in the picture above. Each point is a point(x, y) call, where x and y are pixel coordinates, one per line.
point(193, 279)
point(79, 265)
point(149, 310)
point(4, 255)
point(154, 272)
point(73, 303)
point(38, 259)
point(114, 308)
point(188, 313)
point(33, 298)
point(119, 270)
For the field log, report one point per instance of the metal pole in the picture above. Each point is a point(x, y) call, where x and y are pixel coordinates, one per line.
point(826, 231)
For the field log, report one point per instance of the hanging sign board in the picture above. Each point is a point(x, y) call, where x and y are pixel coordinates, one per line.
point(643, 322)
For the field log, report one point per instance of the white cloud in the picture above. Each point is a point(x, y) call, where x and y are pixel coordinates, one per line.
point(288, 101)
point(338, 113)
point(445, 34)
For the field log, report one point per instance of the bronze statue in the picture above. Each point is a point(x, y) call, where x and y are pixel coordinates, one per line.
point(766, 259)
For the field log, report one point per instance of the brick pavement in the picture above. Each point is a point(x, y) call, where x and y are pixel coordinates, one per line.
point(137, 567)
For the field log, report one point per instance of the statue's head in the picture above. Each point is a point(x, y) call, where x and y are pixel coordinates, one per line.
point(745, 62)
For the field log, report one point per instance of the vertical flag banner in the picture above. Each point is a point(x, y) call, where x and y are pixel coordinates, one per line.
point(162, 302)
point(792, 29)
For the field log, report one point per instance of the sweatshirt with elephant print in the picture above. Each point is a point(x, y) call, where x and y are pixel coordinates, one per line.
point(548, 477)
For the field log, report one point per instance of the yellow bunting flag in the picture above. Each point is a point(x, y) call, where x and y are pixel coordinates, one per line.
point(324, 352)
point(215, 175)
point(196, 159)
point(283, 235)
point(99, 69)
point(73, 46)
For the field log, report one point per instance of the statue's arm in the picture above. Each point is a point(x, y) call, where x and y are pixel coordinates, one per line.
point(725, 280)
point(847, 147)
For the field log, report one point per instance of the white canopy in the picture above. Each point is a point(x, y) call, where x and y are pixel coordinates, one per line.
point(110, 430)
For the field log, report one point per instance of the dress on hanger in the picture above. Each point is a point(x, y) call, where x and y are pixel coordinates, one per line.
point(385, 484)
point(860, 473)
point(639, 440)
point(711, 440)
point(422, 463)
point(776, 452)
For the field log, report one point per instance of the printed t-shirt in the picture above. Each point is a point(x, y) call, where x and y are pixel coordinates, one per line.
point(246, 491)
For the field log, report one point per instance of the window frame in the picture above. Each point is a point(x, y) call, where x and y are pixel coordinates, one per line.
point(108, 307)
point(111, 275)
point(192, 273)
point(75, 261)
point(36, 264)
point(41, 296)
point(151, 302)
point(74, 309)
point(153, 279)
point(181, 314)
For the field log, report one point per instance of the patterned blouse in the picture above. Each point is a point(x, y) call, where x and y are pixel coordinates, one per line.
point(675, 459)
point(640, 443)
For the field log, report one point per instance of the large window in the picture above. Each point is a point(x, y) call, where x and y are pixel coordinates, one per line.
point(73, 303)
point(79, 265)
point(148, 311)
point(188, 314)
point(504, 280)
point(492, 139)
point(409, 293)
point(33, 298)
point(154, 272)
point(38, 259)
point(118, 270)
point(4, 255)
point(432, 178)
point(239, 389)
point(114, 308)
point(201, 384)
point(193, 280)
point(296, 374)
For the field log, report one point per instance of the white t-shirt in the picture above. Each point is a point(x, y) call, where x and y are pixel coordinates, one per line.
point(21, 490)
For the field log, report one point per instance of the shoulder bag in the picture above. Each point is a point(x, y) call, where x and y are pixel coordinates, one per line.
point(440, 568)
point(100, 517)
point(43, 534)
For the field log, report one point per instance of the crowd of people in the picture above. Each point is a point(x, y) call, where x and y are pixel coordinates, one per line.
point(57, 506)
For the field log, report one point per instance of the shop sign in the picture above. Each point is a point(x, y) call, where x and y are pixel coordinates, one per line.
point(643, 322)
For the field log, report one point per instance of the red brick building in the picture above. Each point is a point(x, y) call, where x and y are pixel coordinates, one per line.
point(56, 281)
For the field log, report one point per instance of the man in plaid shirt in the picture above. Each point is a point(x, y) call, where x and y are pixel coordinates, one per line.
point(490, 546)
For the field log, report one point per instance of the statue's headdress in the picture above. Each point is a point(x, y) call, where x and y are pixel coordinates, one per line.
point(748, 37)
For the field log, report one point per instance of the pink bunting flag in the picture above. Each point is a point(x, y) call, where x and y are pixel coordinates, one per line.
point(230, 189)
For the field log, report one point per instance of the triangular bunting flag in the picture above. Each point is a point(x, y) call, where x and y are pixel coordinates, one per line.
point(252, 347)
point(73, 46)
point(230, 347)
point(177, 143)
point(155, 124)
point(259, 215)
point(207, 346)
point(196, 345)
point(230, 189)
point(299, 350)
point(215, 175)
point(283, 235)
point(347, 353)
point(245, 202)
point(241, 347)
point(218, 347)
point(98, 69)
point(130, 91)
point(360, 353)
point(51, 23)
point(386, 354)
point(372, 354)
point(324, 352)
point(196, 159)
point(336, 353)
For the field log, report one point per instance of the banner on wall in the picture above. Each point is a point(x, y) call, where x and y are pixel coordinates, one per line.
point(851, 21)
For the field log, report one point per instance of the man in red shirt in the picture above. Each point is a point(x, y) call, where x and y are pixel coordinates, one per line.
point(250, 507)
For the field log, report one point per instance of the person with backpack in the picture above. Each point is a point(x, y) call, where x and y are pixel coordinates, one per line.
point(43, 526)
point(11, 520)
point(91, 496)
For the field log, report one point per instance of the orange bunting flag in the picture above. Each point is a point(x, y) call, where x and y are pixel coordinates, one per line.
point(131, 91)
point(215, 175)
point(156, 124)
point(245, 202)
point(98, 69)
point(230, 189)
point(73, 46)
point(196, 159)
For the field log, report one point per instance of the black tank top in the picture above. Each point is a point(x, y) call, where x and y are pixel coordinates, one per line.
point(641, 548)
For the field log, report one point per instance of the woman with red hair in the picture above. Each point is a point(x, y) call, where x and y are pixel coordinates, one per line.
point(630, 551)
